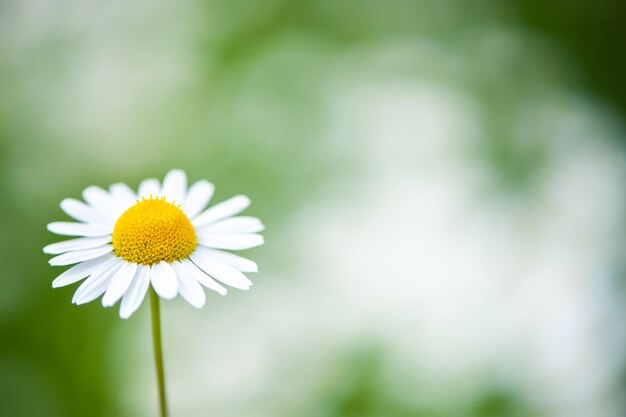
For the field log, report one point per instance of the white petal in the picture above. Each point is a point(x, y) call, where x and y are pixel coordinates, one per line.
point(80, 255)
point(197, 198)
point(97, 283)
point(188, 287)
point(203, 278)
point(240, 224)
point(82, 212)
point(149, 188)
point(80, 229)
point(123, 193)
point(103, 202)
point(233, 241)
point(222, 210)
point(220, 270)
point(174, 186)
point(119, 284)
point(164, 280)
point(76, 244)
point(82, 270)
point(241, 264)
point(96, 196)
point(136, 293)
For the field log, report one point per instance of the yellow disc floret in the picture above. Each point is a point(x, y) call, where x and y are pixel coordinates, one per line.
point(152, 231)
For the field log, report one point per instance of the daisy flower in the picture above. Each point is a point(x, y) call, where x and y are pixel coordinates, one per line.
point(160, 236)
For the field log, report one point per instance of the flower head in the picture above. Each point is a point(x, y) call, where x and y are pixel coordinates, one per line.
point(159, 236)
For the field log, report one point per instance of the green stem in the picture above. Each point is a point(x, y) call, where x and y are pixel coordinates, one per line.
point(158, 349)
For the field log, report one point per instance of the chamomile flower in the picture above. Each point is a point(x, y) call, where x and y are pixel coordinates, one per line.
point(160, 236)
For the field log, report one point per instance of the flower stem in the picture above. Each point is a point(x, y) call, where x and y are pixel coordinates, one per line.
point(158, 349)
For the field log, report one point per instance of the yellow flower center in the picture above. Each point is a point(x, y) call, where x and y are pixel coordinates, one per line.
point(152, 231)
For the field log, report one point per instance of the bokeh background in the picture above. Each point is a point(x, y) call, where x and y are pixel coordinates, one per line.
point(442, 184)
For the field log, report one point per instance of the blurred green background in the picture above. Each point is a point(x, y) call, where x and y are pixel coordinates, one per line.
point(442, 184)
